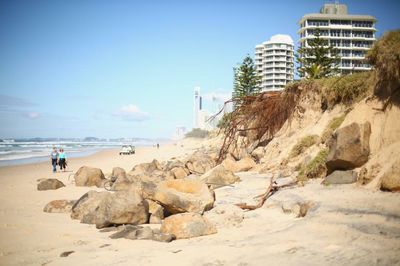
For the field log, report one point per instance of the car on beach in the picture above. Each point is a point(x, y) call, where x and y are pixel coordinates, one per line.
point(127, 150)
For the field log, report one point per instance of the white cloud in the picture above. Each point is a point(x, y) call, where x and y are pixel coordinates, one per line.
point(217, 96)
point(33, 115)
point(131, 112)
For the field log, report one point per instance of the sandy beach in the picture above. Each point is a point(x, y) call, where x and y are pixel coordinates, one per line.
point(345, 225)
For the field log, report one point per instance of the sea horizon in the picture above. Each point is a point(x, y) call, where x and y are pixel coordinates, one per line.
point(16, 152)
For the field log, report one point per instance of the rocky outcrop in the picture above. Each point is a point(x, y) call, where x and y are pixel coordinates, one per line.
point(340, 177)
point(89, 176)
point(59, 206)
point(184, 195)
point(122, 207)
point(50, 184)
point(225, 215)
point(187, 225)
point(85, 208)
point(219, 177)
point(349, 147)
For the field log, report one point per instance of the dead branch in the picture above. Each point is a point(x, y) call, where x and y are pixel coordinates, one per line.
point(272, 188)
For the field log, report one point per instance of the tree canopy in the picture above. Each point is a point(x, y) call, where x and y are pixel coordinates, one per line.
point(246, 80)
point(318, 59)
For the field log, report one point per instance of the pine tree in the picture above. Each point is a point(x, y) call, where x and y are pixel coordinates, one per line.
point(318, 59)
point(246, 80)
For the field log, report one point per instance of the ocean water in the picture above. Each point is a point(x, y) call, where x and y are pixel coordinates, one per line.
point(13, 153)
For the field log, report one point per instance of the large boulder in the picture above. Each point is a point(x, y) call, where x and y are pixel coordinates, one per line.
point(390, 180)
point(242, 165)
point(122, 207)
point(187, 225)
point(118, 173)
point(85, 208)
point(340, 177)
point(89, 176)
point(219, 177)
point(59, 206)
point(184, 195)
point(199, 163)
point(349, 147)
point(50, 184)
point(225, 215)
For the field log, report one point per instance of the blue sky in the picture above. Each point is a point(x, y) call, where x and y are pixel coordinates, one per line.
point(128, 68)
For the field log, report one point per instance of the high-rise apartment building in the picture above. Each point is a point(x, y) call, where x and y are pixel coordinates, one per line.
point(274, 62)
point(352, 35)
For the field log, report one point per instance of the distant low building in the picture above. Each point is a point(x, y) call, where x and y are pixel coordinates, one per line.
point(352, 35)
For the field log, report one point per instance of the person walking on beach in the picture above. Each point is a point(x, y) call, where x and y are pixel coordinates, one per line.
point(62, 159)
point(54, 158)
point(158, 145)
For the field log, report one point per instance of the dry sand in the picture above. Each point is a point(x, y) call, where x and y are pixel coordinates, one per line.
point(347, 225)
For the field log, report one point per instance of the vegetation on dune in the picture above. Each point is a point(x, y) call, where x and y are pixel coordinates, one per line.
point(197, 133)
point(385, 57)
point(346, 89)
point(331, 127)
point(315, 168)
point(302, 145)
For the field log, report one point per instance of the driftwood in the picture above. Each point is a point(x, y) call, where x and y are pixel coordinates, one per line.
point(272, 188)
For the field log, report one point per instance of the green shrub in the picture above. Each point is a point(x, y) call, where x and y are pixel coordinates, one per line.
point(346, 89)
point(314, 169)
point(302, 145)
point(331, 127)
point(385, 57)
point(197, 133)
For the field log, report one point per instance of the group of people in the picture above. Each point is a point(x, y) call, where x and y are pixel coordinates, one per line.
point(58, 158)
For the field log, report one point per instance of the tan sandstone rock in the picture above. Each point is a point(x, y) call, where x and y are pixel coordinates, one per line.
point(219, 177)
point(122, 207)
point(156, 212)
point(89, 176)
point(59, 206)
point(349, 147)
point(391, 178)
point(118, 173)
point(187, 225)
point(50, 184)
point(184, 195)
point(85, 208)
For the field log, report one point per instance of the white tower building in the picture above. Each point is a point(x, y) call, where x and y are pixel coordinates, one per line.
point(352, 35)
point(275, 62)
point(196, 107)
